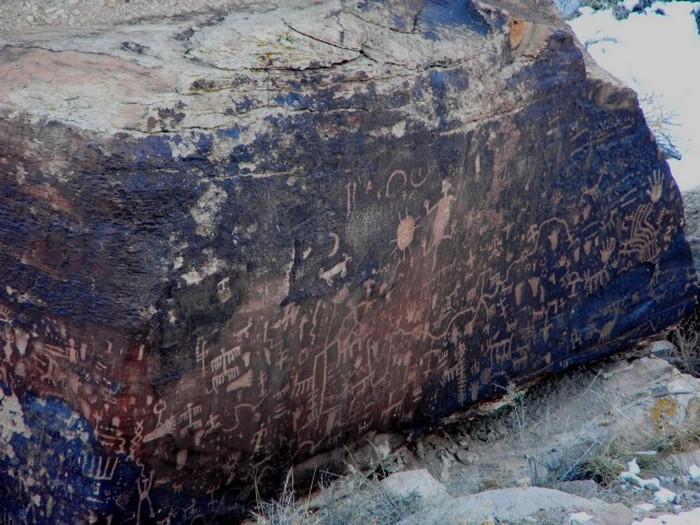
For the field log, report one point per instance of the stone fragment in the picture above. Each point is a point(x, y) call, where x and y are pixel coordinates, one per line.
point(586, 488)
point(466, 457)
point(580, 518)
point(505, 506)
point(615, 514)
point(694, 473)
point(420, 482)
point(664, 496)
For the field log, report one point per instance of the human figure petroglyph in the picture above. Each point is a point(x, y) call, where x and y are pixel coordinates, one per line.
point(441, 218)
point(8, 337)
point(143, 486)
point(593, 191)
point(340, 269)
point(554, 238)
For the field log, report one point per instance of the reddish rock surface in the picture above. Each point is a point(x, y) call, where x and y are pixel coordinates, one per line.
point(231, 242)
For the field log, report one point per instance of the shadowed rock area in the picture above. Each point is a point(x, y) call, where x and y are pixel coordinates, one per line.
point(233, 241)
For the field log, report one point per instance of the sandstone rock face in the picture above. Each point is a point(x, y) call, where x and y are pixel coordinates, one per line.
point(233, 241)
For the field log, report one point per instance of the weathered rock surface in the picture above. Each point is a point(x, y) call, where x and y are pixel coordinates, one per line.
point(231, 242)
point(611, 411)
point(516, 504)
point(691, 205)
point(510, 505)
point(559, 425)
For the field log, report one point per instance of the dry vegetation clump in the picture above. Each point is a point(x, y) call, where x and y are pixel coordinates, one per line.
point(354, 499)
point(686, 339)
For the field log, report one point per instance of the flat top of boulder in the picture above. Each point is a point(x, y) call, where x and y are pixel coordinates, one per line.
point(20, 15)
point(110, 81)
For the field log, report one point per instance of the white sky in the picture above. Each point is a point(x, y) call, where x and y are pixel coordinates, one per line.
point(655, 55)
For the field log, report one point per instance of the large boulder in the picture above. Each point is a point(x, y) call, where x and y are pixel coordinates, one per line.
point(230, 242)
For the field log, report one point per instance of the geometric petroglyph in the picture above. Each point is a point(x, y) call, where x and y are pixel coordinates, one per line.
point(204, 284)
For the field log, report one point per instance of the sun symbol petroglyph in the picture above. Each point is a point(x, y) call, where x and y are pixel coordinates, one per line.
point(405, 233)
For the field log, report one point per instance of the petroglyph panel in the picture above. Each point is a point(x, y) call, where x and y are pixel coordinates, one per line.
point(242, 268)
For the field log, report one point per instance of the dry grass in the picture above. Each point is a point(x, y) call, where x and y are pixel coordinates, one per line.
point(600, 462)
point(353, 499)
point(686, 338)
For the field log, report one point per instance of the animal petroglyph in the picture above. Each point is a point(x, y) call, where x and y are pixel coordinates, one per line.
point(606, 330)
point(385, 239)
point(340, 269)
